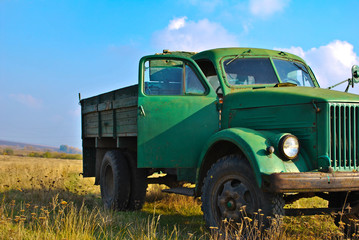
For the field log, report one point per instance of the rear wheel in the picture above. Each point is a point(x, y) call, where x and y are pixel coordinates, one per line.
point(138, 183)
point(115, 181)
point(230, 192)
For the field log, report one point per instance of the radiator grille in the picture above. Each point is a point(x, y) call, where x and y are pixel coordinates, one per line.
point(344, 136)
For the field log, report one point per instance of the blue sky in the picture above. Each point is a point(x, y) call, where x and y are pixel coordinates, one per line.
point(52, 50)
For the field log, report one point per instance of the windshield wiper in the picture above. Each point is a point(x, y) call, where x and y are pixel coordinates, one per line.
point(301, 68)
point(230, 61)
point(236, 57)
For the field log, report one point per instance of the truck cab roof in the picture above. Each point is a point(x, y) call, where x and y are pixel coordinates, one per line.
point(222, 52)
point(219, 53)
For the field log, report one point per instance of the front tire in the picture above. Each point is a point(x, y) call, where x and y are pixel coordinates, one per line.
point(115, 181)
point(228, 187)
point(348, 222)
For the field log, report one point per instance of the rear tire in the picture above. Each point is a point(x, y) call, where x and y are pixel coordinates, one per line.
point(229, 186)
point(138, 183)
point(115, 181)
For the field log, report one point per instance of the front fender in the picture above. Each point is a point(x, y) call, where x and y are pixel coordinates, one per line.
point(253, 145)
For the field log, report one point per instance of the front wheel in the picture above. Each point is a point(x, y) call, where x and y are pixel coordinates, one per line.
point(348, 222)
point(230, 192)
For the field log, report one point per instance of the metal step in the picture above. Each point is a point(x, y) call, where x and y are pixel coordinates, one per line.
point(180, 190)
point(312, 211)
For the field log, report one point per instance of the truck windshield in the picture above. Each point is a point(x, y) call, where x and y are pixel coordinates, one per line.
point(293, 72)
point(248, 71)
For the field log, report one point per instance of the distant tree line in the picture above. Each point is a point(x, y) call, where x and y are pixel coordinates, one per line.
point(8, 151)
point(42, 154)
point(69, 149)
point(55, 155)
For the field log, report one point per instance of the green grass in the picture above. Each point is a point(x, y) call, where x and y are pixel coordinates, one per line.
point(54, 155)
point(48, 199)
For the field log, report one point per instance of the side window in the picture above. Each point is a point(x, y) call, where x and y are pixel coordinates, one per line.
point(209, 71)
point(192, 83)
point(171, 77)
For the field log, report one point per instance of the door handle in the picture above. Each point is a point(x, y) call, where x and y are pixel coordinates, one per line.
point(142, 111)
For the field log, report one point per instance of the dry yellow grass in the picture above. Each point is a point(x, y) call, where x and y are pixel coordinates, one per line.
point(39, 179)
point(48, 199)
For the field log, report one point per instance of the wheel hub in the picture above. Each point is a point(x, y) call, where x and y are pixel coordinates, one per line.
point(231, 204)
point(232, 197)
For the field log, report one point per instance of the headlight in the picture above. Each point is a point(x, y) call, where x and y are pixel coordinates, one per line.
point(289, 146)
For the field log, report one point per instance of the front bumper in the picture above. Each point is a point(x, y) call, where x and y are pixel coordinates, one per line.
point(312, 182)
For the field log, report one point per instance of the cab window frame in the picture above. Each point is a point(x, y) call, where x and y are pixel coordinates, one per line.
point(185, 63)
point(240, 86)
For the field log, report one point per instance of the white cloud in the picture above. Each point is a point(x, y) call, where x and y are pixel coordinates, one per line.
point(266, 8)
point(27, 100)
point(177, 23)
point(331, 63)
point(185, 35)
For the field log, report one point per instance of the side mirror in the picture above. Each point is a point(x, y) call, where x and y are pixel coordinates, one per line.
point(355, 74)
point(350, 81)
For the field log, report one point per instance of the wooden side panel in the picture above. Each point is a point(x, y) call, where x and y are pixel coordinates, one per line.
point(126, 121)
point(107, 123)
point(90, 124)
point(125, 102)
point(112, 114)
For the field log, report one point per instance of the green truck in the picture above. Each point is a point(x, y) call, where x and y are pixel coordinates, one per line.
point(241, 126)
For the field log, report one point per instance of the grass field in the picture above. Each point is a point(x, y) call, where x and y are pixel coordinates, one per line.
point(48, 199)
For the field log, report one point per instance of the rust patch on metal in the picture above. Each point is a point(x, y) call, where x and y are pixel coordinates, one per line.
point(312, 182)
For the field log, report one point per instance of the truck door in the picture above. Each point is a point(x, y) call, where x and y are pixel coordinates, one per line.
point(177, 112)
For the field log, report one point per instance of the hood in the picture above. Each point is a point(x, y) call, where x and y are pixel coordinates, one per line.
point(262, 97)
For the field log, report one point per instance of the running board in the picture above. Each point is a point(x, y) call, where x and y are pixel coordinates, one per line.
point(180, 190)
point(313, 211)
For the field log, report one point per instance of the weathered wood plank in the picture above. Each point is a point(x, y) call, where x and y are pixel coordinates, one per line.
point(104, 106)
point(90, 120)
point(89, 109)
point(128, 129)
point(91, 124)
point(106, 115)
point(125, 102)
point(111, 114)
point(126, 121)
point(91, 132)
point(126, 113)
point(106, 123)
point(127, 134)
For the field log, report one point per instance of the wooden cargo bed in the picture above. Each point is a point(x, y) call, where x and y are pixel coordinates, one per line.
point(112, 114)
